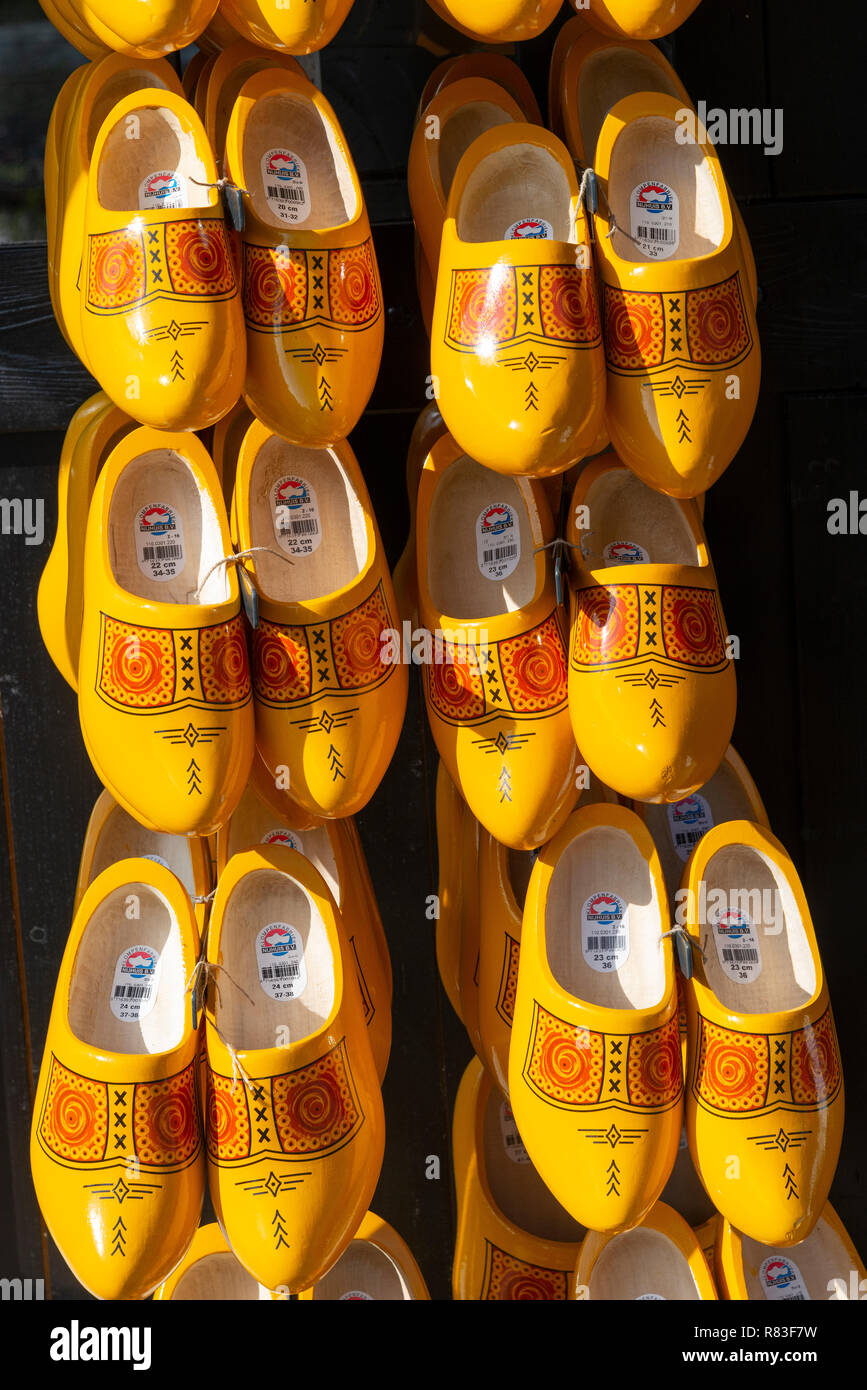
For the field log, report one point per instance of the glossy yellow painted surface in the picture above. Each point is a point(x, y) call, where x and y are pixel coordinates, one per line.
point(488, 338)
point(835, 1267)
point(72, 27)
point(322, 1098)
point(129, 702)
point(293, 25)
point(496, 67)
point(568, 1058)
point(638, 19)
point(145, 28)
point(378, 1233)
point(666, 1222)
point(652, 690)
point(111, 1125)
point(429, 427)
point(764, 1090)
point(224, 80)
point(498, 21)
point(451, 810)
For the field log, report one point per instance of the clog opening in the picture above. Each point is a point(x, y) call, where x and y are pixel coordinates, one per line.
point(228, 94)
point(520, 182)
point(292, 159)
point(118, 86)
point(757, 955)
point(273, 941)
point(215, 1277)
point(609, 75)
point(513, 1183)
point(806, 1269)
point(254, 824)
point(164, 536)
point(121, 837)
point(642, 1264)
point(630, 523)
point(127, 989)
point(679, 826)
point(479, 527)
point(151, 165)
point(364, 1273)
point(457, 133)
point(648, 153)
point(304, 506)
point(603, 928)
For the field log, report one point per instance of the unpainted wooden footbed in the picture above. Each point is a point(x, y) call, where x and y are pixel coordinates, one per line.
point(247, 1016)
point(820, 1258)
point(120, 85)
point(622, 508)
point(605, 859)
point(517, 1189)
point(363, 1268)
point(162, 476)
point(519, 181)
point(788, 975)
point(639, 1262)
point(607, 77)
point(163, 143)
point(215, 1277)
point(281, 121)
point(648, 149)
point(253, 820)
point(342, 552)
point(455, 582)
point(121, 837)
point(109, 933)
point(459, 131)
point(727, 798)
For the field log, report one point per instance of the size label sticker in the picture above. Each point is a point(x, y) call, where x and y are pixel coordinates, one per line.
point(737, 944)
point(512, 1141)
point(646, 1297)
point(295, 510)
point(625, 553)
point(135, 984)
point(654, 219)
point(688, 821)
point(159, 541)
point(498, 541)
point(280, 958)
point(782, 1281)
point(284, 179)
point(605, 931)
point(163, 189)
point(356, 1296)
point(530, 229)
point(283, 837)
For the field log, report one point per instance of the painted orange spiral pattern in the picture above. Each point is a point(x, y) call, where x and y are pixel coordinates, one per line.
point(691, 629)
point(116, 269)
point(138, 665)
point(816, 1071)
point(606, 625)
point(534, 668)
point(634, 329)
point(74, 1121)
point(315, 1107)
point(198, 257)
point(570, 311)
point(281, 663)
point(352, 285)
point(654, 1072)
point(564, 1064)
point(718, 331)
point(733, 1068)
point(223, 663)
point(509, 1279)
point(455, 687)
point(356, 641)
point(228, 1118)
point(275, 287)
point(166, 1119)
point(484, 306)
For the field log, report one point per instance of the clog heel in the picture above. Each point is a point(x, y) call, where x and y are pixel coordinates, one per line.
point(637, 19)
point(293, 25)
point(497, 21)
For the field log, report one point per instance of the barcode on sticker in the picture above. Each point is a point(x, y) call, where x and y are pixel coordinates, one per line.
point(606, 943)
point(304, 526)
point(162, 552)
point(291, 971)
point(286, 195)
point(501, 552)
point(688, 837)
point(793, 1298)
point(132, 991)
point(742, 953)
point(656, 234)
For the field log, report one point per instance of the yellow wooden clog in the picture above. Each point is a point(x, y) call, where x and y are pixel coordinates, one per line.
point(73, 28)
point(495, 67)
point(225, 78)
point(514, 1240)
point(468, 962)
point(451, 809)
point(595, 1075)
point(660, 1258)
point(210, 1272)
point(495, 686)
point(162, 323)
point(332, 851)
point(824, 1266)
point(637, 19)
point(329, 688)
point(377, 1266)
point(295, 1126)
point(684, 1191)
point(681, 342)
point(219, 34)
point(312, 295)
point(147, 28)
point(226, 441)
point(428, 428)
point(294, 25)
point(164, 698)
point(116, 1151)
point(764, 1104)
point(189, 77)
point(497, 21)
point(652, 690)
point(516, 347)
point(54, 141)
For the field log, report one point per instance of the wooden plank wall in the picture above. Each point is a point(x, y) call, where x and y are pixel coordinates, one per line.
point(791, 592)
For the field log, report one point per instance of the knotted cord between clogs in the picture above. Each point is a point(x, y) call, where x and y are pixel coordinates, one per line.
point(237, 558)
point(590, 192)
point(204, 972)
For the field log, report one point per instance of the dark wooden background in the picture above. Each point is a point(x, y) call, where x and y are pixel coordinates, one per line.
point(792, 593)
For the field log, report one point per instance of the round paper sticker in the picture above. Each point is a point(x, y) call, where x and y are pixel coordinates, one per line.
point(159, 541)
point(280, 958)
point(135, 984)
point(498, 541)
point(605, 931)
point(782, 1281)
point(646, 1297)
point(284, 179)
point(625, 553)
point(165, 188)
point(158, 859)
point(295, 511)
point(737, 944)
point(283, 837)
point(356, 1296)
point(530, 229)
point(688, 821)
point(512, 1141)
point(655, 219)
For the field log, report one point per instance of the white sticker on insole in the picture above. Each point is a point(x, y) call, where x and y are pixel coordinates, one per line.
point(655, 219)
point(530, 229)
point(625, 553)
point(165, 188)
point(289, 838)
point(158, 859)
point(356, 1296)
point(737, 944)
point(280, 959)
point(287, 189)
point(646, 1297)
point(159, 541)
point(135, 984)
point(605, 931)
point(782, 1281)
point(512, 1141)
point(498, 541)
point(295, 512)
point(688, 821)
